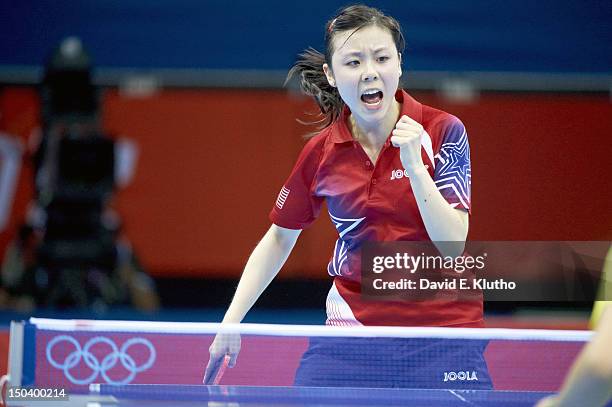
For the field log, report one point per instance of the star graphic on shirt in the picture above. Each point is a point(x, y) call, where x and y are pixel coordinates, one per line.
point(455, 158)
point(454, 170)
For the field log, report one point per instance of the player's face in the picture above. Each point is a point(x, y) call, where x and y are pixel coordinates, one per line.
point(365, 68)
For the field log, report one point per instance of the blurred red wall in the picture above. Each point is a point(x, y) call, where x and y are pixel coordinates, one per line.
point(212, 162)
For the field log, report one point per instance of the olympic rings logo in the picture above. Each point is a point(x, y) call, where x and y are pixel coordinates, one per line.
point(107, 363)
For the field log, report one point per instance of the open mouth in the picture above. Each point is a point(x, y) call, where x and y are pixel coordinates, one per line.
point(372, 97)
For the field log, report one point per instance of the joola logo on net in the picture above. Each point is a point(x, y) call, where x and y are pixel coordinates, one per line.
point(463, 376)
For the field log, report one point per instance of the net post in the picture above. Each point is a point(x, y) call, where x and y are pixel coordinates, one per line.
point(15, 357)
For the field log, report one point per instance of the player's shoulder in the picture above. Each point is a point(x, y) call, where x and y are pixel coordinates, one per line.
point(314, 147)
point(316, 144)
point(441, 123)
point(432, 115)
point(320, 138)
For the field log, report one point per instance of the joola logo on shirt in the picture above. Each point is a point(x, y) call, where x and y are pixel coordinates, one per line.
point(397, 174)
point(463, 376)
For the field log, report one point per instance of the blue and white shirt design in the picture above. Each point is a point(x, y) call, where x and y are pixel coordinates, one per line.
point(453, 173)
point(343, 225)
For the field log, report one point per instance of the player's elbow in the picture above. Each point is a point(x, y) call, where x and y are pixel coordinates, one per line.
point(453, 248)
point(454, 244)
point(282, 237)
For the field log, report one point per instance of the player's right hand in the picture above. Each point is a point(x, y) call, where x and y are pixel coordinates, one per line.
point(550, 401)
point(224, 349)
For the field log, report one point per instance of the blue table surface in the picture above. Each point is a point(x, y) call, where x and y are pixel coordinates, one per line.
point(167, 395)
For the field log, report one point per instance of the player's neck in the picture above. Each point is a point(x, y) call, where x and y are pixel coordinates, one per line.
point(375, 134)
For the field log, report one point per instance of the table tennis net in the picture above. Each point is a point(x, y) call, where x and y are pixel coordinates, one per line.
point(74, 354)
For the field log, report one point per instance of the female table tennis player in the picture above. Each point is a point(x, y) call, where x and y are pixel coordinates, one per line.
point(390, 169)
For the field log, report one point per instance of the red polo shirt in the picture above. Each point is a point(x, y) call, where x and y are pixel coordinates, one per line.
point(374, 202)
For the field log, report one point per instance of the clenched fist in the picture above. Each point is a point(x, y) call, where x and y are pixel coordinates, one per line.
point(407, 137)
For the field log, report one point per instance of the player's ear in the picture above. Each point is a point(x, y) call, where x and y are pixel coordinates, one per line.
point(329, 75)
point(399, 54)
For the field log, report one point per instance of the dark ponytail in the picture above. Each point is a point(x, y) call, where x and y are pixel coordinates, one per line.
point(309, 65)
point(313, 82)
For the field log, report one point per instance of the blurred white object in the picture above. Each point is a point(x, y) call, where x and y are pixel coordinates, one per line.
point(126, 157)
point(71, 47)
point(11, 151)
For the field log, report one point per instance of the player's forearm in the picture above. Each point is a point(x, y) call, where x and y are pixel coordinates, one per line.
point(442, 222)
point(585, 387)
point(263, 265)
point(590, 380)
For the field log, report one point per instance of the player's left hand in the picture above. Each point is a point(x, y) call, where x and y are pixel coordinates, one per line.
point(407, 137)
point(223, 352)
